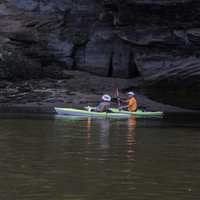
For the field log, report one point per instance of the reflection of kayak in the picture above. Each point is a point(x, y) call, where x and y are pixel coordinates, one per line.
point(139, 113)
point(85, 113)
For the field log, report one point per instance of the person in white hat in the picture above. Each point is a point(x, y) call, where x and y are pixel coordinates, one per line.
point(132, 102)
point(105, 104)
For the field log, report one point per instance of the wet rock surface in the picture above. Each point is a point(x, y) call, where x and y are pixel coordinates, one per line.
point(156, 42)
point(109, 38)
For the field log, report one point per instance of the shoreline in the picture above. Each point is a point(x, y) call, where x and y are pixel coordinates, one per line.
point(76, 89)
point(49, 109)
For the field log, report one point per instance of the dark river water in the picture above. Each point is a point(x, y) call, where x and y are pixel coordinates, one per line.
point(99, 159)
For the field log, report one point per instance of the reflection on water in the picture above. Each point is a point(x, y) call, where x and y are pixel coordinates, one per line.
point(70, 159)
point(131, 138)
point(88, 127)
point(104, 133)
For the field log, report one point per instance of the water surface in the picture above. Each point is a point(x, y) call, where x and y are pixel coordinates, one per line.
point(83, 159)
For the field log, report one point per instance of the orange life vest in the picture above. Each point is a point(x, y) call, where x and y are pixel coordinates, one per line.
point(132, 104)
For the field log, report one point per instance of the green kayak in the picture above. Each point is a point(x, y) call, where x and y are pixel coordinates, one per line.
point(139, 113)
point(85, 113)
point(114, 113)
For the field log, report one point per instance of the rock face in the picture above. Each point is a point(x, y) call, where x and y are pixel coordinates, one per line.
point(157, 40)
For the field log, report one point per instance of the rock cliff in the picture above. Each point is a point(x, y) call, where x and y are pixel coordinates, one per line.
point(157, 40)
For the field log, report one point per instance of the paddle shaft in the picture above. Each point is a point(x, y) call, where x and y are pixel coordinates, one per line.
point(118, 98)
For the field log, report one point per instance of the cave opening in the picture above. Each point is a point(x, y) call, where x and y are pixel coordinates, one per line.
point(133, 71)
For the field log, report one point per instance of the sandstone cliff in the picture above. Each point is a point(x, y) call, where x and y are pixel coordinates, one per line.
point(156, 40)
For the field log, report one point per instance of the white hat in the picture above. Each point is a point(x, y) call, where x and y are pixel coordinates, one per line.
point(131, 93)
point(106, 97)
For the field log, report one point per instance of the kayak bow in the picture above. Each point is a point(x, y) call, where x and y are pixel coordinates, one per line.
point(139, 113)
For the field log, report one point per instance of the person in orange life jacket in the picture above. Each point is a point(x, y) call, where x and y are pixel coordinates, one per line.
point(132, 103)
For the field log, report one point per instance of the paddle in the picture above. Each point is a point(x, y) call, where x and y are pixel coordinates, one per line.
point(118, 98)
